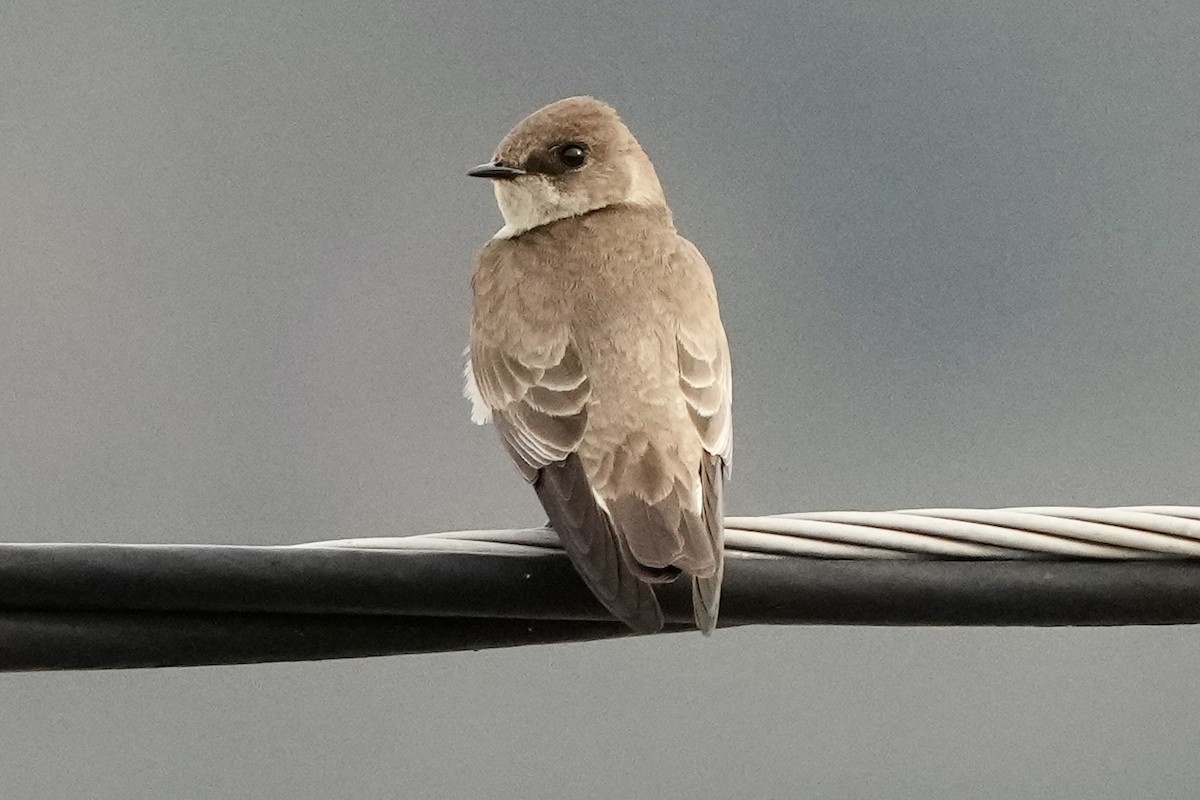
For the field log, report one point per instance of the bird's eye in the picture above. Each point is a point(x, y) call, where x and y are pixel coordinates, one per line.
point(572, 155)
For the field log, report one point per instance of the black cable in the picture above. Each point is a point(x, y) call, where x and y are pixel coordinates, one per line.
point(110, 606)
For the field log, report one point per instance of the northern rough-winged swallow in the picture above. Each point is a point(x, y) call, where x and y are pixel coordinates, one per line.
point(598, 352)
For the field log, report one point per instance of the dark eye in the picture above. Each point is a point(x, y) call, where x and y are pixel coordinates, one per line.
point(572, 155)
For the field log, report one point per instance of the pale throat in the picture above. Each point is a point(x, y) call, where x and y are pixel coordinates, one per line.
point(532, 201)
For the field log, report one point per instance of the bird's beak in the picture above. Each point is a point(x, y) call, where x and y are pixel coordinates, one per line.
point(496, 171)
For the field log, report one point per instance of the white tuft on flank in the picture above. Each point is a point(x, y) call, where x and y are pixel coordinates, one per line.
point(481, 414)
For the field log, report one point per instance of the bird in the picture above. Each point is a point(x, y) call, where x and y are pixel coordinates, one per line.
point(598, 352)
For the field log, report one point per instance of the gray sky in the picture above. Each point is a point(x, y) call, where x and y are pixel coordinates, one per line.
point(957, 250)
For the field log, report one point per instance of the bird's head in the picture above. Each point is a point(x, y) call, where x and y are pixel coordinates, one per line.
point(567, 159)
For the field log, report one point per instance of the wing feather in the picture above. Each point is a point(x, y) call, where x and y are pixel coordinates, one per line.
point(702, 351)
point(706, 589)
point(540, 407)
point(706, 382)
point(594, 547)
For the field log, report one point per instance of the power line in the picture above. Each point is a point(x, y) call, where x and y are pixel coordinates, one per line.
point(93, 606)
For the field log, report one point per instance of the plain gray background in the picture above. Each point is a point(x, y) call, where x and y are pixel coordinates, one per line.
point(957, 248)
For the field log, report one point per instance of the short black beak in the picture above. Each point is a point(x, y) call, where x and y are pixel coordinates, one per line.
point(496, 171)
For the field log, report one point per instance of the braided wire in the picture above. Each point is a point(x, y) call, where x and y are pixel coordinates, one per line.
point(1127, 532)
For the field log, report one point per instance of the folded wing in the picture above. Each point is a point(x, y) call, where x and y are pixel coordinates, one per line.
point(538, 400)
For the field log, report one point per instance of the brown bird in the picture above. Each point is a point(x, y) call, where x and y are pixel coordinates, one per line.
point(597, 350)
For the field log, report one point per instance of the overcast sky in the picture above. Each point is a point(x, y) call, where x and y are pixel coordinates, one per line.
point(957, 247)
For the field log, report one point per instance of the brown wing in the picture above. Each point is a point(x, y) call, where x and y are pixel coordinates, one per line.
point(598, 553)
point(538, 400)
point(705, 378)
